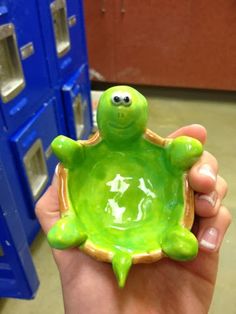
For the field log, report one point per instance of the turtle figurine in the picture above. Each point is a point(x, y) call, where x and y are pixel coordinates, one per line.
point(124, 195)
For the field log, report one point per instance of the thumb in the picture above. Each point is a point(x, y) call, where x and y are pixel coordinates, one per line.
point(47, 208)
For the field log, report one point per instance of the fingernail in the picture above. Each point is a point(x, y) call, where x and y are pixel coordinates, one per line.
point(210, 198)
point(207, 171)
point(209, 239)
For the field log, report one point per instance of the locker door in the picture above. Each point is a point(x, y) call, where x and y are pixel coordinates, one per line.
point(18, 278)
point(76, 93)
point(64, 37)
point(33, 156)
point(24, 73)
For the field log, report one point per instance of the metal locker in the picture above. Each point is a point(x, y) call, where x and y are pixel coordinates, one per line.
point(23, 67)
point(76, 95)
point(64, 37)
point(32, 152)
point(8, 160)
point(28, 161)
point(18, 277)
point(44, 92)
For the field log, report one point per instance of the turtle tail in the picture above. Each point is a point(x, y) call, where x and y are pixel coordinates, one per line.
point(121, 264)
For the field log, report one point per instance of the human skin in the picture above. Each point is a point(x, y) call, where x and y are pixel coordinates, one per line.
point(164, 287)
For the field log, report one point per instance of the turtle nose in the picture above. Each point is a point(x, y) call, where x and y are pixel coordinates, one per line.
point(122, 114)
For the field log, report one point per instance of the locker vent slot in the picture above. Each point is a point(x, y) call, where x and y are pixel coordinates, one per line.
point(36, 168)
point(60, 26)
point(6, 273)
point(78, 116)
point(11, 74)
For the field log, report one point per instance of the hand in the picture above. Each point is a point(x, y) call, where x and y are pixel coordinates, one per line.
point(163, 287)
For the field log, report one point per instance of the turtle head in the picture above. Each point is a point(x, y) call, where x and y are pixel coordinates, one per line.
point(122, 114)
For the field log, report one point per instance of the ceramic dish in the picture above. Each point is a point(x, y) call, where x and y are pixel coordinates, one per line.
point(124, 195)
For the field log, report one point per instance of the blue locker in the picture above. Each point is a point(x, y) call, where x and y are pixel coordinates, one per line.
point(31, 226)
point(33, 155)
point(76, 95)
point(62, 27)
point(84, 83)
point(18, 278)
point(24, 72)
point(44, 91)
point(30, 164)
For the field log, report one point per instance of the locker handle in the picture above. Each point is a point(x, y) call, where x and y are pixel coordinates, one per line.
point(78, 112)
point(60, 26)
point(11, 74)
point(36, 168)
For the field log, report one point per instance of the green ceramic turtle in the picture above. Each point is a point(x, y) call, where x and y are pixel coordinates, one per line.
point(124, 195)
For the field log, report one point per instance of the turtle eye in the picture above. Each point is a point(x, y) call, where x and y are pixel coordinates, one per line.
point(127, 99)
point(116, 98)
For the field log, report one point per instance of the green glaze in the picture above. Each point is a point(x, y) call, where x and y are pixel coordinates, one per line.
point(125, 193)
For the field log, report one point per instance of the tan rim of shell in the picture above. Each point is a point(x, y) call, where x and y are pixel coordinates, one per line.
point(103, 255)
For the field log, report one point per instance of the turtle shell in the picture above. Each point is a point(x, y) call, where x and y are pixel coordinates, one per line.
point(125, 203)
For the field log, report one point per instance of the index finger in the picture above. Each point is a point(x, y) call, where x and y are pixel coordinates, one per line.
point(196, 131)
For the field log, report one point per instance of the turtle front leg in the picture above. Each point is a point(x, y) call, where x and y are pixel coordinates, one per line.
point(183, 152)
point(66, 232)
point(68, 151)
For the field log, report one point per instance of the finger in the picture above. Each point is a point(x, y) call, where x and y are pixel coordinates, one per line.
point(207, 205)
point(196, 131)
point(47, 208)
point(202, 176)
point(212, 230)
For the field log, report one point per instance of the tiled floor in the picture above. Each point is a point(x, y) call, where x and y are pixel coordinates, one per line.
point(169, 109)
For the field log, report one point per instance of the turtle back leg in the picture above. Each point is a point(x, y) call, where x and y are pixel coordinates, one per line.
point(179, 243)
point(66, 234)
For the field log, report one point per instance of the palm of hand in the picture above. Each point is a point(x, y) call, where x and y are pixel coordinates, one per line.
point(166, 286)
